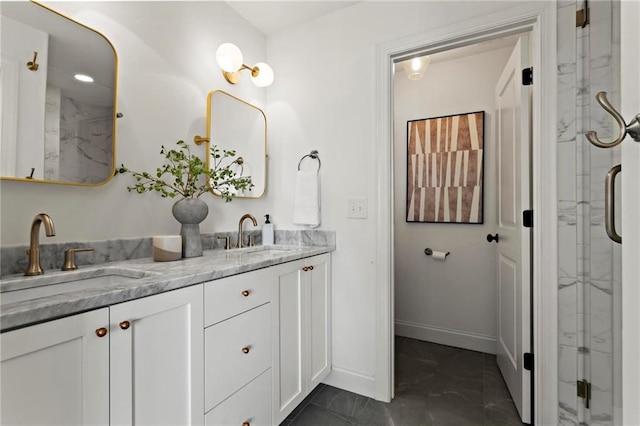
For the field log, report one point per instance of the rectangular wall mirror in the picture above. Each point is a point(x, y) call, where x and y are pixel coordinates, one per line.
point(234, 124)
point(58, 85)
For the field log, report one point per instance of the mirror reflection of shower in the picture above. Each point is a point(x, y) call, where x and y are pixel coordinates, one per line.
point(58, 111)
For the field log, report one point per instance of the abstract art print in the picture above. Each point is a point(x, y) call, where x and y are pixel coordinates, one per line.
point(445, 169)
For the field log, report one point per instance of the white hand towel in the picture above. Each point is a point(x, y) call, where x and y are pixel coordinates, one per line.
point(306, 209)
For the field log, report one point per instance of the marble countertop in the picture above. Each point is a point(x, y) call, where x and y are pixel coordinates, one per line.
point(153, 278)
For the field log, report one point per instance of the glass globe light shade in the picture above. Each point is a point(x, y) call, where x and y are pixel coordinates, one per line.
point(229, 57)
point(265, 75)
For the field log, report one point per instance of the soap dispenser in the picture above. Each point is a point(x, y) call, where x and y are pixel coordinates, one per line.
point(267, 232)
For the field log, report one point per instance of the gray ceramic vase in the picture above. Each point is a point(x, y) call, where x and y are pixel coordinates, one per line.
point(190, 212)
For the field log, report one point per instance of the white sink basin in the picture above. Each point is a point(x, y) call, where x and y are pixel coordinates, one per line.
point(265, 252)
point(19, 289)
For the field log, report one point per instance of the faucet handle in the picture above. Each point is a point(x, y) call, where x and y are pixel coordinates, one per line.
point(227, 242)
point(70, 259)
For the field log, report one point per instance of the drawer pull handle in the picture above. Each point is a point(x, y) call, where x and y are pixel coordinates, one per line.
point(125, 325)
point(246, 293)
point(246, 424)
point(101, 332)
point(246, 350)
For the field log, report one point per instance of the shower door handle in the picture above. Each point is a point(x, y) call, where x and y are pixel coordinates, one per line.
point(609, 208)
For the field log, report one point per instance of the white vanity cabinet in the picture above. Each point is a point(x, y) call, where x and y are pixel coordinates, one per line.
point(302, 348)
point(138, 362)
point(238, 349)
point(241, 350)
point(57, 372)
point(156, 359)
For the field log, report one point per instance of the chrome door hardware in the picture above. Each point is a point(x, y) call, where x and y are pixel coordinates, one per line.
point(609, 208)
point(632, 129)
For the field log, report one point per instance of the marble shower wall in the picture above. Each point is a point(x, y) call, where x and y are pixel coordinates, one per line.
point(589, 263)
point(78, 139)
point(52, 133)
point(86, 141)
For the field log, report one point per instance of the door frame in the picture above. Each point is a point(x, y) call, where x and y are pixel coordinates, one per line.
point(540, 19)
point(629, 67)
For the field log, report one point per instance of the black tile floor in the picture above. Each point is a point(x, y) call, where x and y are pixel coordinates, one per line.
point(435, 385)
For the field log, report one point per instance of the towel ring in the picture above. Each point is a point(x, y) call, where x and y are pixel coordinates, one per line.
point(314, 155)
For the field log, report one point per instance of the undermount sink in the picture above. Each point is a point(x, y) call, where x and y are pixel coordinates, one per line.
point(266, 251)
point(19, 289)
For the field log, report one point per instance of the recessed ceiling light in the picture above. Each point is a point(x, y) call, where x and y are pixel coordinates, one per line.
point(83, 78)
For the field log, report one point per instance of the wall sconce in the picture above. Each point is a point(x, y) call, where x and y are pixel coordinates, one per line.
point(416, 67)
point(230, 60)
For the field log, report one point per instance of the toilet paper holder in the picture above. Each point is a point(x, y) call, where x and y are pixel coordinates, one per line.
point(429, 252)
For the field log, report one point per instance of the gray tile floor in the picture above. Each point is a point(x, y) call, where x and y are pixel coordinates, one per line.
point(435, 385)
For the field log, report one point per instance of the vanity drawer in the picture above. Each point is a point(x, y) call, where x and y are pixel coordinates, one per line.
point(236, 351)
point(231, 296)
point(251, 404)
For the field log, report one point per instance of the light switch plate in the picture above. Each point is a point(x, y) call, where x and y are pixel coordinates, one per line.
point(357, 208)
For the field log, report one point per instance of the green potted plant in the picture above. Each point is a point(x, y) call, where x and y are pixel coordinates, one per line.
point(188, 176)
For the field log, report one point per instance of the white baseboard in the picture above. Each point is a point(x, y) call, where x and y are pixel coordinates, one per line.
point(351, 381)
point(444, 336)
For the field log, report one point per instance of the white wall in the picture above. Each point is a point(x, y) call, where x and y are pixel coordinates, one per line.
point(166, 61)
point(323, 98)
point(451, 302)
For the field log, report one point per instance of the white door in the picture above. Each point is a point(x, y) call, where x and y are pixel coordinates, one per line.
point(630, 229)
point(57, 372)
point(288, 356)
point(319, 326)
point(512, 140)
point(157, 359)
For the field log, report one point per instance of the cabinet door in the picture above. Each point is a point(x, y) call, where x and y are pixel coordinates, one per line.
point(303, 304)
point(57, 373)
point(318, 284)
point(157, 359)
point(289, 357)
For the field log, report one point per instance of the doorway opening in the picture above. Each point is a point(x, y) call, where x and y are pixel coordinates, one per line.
point(461, 180)
point(540, 20)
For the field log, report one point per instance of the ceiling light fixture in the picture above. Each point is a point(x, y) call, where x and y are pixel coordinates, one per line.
point(83, 78)
point(230, 60)
point(416, 67)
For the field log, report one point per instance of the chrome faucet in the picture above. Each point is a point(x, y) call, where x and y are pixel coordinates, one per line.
point(34, 267)
point(240, 236)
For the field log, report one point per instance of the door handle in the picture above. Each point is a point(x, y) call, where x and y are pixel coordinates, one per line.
point(632, 129)
point(495, 238)
point(609, 208)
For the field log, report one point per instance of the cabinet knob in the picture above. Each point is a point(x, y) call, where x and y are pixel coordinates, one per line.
point(246, 293)
point(246, 349)
point(311, 268)
point(304, 268)
point(246, 424)
point(125, 325)
point(101, 332)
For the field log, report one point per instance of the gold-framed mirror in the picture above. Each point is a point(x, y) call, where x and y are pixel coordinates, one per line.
point(234, 124)
point(55, 127)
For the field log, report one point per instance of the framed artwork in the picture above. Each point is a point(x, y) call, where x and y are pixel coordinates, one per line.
point(445, 169)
